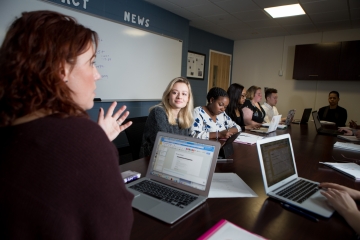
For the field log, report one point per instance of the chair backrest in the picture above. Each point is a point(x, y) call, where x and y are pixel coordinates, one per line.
point(134, 134)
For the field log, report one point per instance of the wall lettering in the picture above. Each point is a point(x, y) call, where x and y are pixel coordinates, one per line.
point(75, 2)
point(136, 19)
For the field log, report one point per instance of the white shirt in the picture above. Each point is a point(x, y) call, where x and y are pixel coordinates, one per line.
point(270, 112)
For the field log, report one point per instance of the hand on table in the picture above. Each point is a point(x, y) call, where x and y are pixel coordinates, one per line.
point(111, 123)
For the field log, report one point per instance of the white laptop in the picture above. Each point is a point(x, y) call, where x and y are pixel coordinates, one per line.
point(179, 164)
point(279, 174)
point(272, 126)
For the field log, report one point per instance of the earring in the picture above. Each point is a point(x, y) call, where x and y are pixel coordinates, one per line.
point(66, 81)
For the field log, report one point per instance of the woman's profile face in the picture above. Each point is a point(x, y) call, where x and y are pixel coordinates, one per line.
point(219, 105)
point(179, 96)
point(242, 97)
point(258, 96)
point(81, 80)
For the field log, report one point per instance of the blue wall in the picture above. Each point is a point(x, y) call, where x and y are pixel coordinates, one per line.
point(161, 22)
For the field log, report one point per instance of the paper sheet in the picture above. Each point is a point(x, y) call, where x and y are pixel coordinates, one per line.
point(229, 185)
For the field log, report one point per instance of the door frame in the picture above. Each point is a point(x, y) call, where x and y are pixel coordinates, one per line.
point(227, 54)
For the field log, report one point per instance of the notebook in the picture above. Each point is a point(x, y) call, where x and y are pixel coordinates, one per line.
point(305, 117)
point(227, 149)
point(272, 127)
point(320, 129)
point(279, 174)
point(181, 164)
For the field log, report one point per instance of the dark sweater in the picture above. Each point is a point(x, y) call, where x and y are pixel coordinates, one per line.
point(60, 179)
point(157, 121)
point(337, 115)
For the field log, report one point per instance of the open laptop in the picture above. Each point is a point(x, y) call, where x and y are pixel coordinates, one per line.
point(290, 117)
point(227, 149)
point(320, 129)
point(305, 117)
point(272, 127)
point(182, 165)
point(279, 174)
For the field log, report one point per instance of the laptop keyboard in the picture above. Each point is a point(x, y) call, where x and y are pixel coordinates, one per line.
point(299, 191)
point(163, 193)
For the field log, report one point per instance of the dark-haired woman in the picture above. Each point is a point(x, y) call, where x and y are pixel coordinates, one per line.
point(237, 96)
point(59, 173)
point(211, 121)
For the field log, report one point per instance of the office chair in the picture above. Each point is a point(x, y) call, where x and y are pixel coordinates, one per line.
point(134, 135)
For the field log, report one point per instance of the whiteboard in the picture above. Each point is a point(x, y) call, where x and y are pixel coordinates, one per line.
point(135, 65)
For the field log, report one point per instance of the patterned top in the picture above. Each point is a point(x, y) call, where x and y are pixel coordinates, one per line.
point(203, 124)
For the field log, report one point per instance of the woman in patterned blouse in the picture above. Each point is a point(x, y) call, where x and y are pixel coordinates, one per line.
point(211, 121)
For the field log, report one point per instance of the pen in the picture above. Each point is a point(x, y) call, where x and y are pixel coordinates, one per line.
point(297, 210)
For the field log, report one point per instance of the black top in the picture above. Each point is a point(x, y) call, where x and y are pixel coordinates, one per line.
point(240, 120)
point(337, 115)
point(258, 116)
point(60, 179)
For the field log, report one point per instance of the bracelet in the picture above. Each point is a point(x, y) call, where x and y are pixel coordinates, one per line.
point(217, 132)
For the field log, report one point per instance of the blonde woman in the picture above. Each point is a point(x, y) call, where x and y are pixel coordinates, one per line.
point(172, 115)
point(252, 110)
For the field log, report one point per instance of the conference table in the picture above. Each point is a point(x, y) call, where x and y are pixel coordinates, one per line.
point(260, 215)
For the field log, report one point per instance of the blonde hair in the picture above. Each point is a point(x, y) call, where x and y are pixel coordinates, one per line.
point(185, 119)
point(250, 93)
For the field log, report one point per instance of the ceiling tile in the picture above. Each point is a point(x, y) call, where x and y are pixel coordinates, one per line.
point(274, 3)
point(272, 30)
point(300, 29)
point(232, 6)
point(262, 23)
point(206, 10)
point(236, 26)
point(188, 3)
point(332, 26)
point(325, 6)
point(221, 19)
point(355, 13)
point(354, 3)
point(294, 20)
point(330, 16)
point(251, 15)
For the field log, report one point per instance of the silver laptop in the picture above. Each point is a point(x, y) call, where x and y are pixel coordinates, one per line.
point(290, 117)
point(178, 178)
point(281, 180)
point(320, 129)
point(272, 127)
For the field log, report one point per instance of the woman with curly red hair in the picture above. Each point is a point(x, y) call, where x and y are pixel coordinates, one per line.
point(59, 174)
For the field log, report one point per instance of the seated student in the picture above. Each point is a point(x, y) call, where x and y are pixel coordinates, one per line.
point(172, 115)
point(333, 112)
point(59, 172)
point(253, 112)
point(237, 95)
point(269, 106)
point(343, 200)
point(211, 121)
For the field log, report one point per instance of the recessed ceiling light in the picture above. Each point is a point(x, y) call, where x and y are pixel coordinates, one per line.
point(285, 11)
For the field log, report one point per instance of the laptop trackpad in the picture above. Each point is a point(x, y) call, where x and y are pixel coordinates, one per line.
point(144, 202)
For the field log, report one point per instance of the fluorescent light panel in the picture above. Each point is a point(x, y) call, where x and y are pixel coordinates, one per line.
point(285, 11)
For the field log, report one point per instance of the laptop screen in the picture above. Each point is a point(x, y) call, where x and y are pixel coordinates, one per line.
point(278, 161)
point(182, 161)
point(316, 120)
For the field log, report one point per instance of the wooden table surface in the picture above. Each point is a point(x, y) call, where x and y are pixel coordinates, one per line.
point(260, 215)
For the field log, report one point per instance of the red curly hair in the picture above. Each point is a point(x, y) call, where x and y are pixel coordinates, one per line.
point(32, 58)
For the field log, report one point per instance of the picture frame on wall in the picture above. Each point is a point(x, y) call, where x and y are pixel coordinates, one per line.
point(195, 65)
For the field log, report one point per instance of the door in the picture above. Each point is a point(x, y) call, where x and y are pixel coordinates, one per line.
point(219, 70)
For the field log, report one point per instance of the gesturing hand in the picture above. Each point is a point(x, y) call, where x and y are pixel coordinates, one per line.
point(111, 123)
